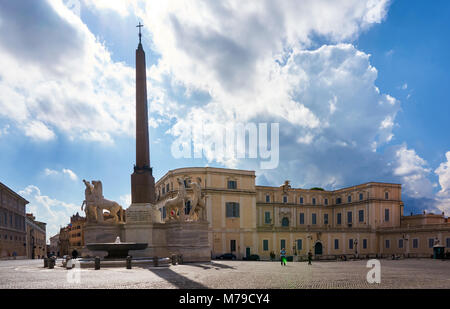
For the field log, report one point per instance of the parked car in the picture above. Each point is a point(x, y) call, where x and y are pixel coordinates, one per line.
point(227, 256)
point(253, 257)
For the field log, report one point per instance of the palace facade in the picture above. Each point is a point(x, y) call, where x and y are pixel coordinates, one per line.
point(13, 236)
point(365, 220)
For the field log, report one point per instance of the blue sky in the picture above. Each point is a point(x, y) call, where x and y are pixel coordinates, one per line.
point(358, 89)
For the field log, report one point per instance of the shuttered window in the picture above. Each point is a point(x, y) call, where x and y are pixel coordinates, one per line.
point(232, 210)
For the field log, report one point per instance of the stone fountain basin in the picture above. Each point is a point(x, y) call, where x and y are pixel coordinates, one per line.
point(116, 250)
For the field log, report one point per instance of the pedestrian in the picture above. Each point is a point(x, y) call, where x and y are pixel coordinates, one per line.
point(309, 257)
point(283, 257)
point(74, 254)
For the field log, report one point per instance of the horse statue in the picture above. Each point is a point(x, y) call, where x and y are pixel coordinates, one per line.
point(96, 203)
point(176, 204)
point(198, 207)
point(90, 202)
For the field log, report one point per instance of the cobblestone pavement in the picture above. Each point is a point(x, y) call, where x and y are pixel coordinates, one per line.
point(411, 273)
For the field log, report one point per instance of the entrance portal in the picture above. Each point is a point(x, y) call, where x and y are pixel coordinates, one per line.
point(318, 248)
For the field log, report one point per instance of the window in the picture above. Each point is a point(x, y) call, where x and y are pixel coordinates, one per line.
point(361, 215)
point(265, 245)
point(349, 198)
point(339, 218)
point(164, 212)
point(338, 200)
point(386, 215)
point(267, 198)
point(232, 245)
point(232, 184)
point(301, 199)
point(415, 243)
point(314, 219)
point(302, 218)
point(285, 221)
point(284, 199)
point(267, 219)
point(186, 183)
point(388, 244)
point(325, 201)
point(400, 243)
point(299, 244)
point(232, 209)
point(361, 196)
point(336, 244)
point(364, 243)
point(386, 195)
point(349, 217)
point(430, 242)
point(350, 243)
point(314, 201)
point(325, 219)
point(447, 242)
point(283, 244)
point(167, 187)
point(164, 190)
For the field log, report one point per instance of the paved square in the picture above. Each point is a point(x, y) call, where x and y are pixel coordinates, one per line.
point(411, 273)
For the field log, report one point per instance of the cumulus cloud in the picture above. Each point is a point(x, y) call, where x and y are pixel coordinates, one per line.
point(443, 172)
point(65, 171)
point(60, 77)
point(49, 210)
point(413, 172)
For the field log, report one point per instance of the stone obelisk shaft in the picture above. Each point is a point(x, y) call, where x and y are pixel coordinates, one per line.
point(142, 181)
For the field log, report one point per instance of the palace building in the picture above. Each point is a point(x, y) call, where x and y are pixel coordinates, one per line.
point(365, 220)
point(13, 236)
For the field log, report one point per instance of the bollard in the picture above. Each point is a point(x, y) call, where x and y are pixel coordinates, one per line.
point(51, 263)
point(128, 262)
point(155, 261)
point(45, 262)
point(97, 263)
point(69, 263)
point(174, 259)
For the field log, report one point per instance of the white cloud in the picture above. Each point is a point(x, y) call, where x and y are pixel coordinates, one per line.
point(443, 196)
point(38, 131)
point(65, 171)
point(125, 200)
point(60, 77)
point(50, 172)
point(413, 172)
point(70, 173)
point(49, 210)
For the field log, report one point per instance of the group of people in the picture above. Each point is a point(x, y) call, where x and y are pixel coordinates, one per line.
point(283, 257)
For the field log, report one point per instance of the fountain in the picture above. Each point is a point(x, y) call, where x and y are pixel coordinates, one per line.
point(117, 249)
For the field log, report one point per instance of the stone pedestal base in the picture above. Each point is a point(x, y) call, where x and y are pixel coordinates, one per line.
point(101, 233)
point(189, 239)
point(154, 234)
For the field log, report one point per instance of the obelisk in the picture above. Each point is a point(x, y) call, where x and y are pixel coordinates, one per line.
point(142, 181)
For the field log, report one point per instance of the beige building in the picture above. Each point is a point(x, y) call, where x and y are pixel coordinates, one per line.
point(12, 223)
point(76, 234)
point(366, 219)
point(36, 238)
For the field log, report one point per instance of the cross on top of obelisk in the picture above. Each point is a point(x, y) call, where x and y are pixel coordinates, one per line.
point(140, 35)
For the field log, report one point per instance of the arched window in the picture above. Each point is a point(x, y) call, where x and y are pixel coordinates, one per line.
point(349, 199)
point(285, 221)
point(386, 195)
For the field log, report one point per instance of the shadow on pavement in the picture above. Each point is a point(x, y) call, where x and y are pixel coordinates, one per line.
point(176, 279)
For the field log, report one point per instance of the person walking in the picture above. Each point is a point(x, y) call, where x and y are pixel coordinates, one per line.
point(309, 257)
point(283, 257)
